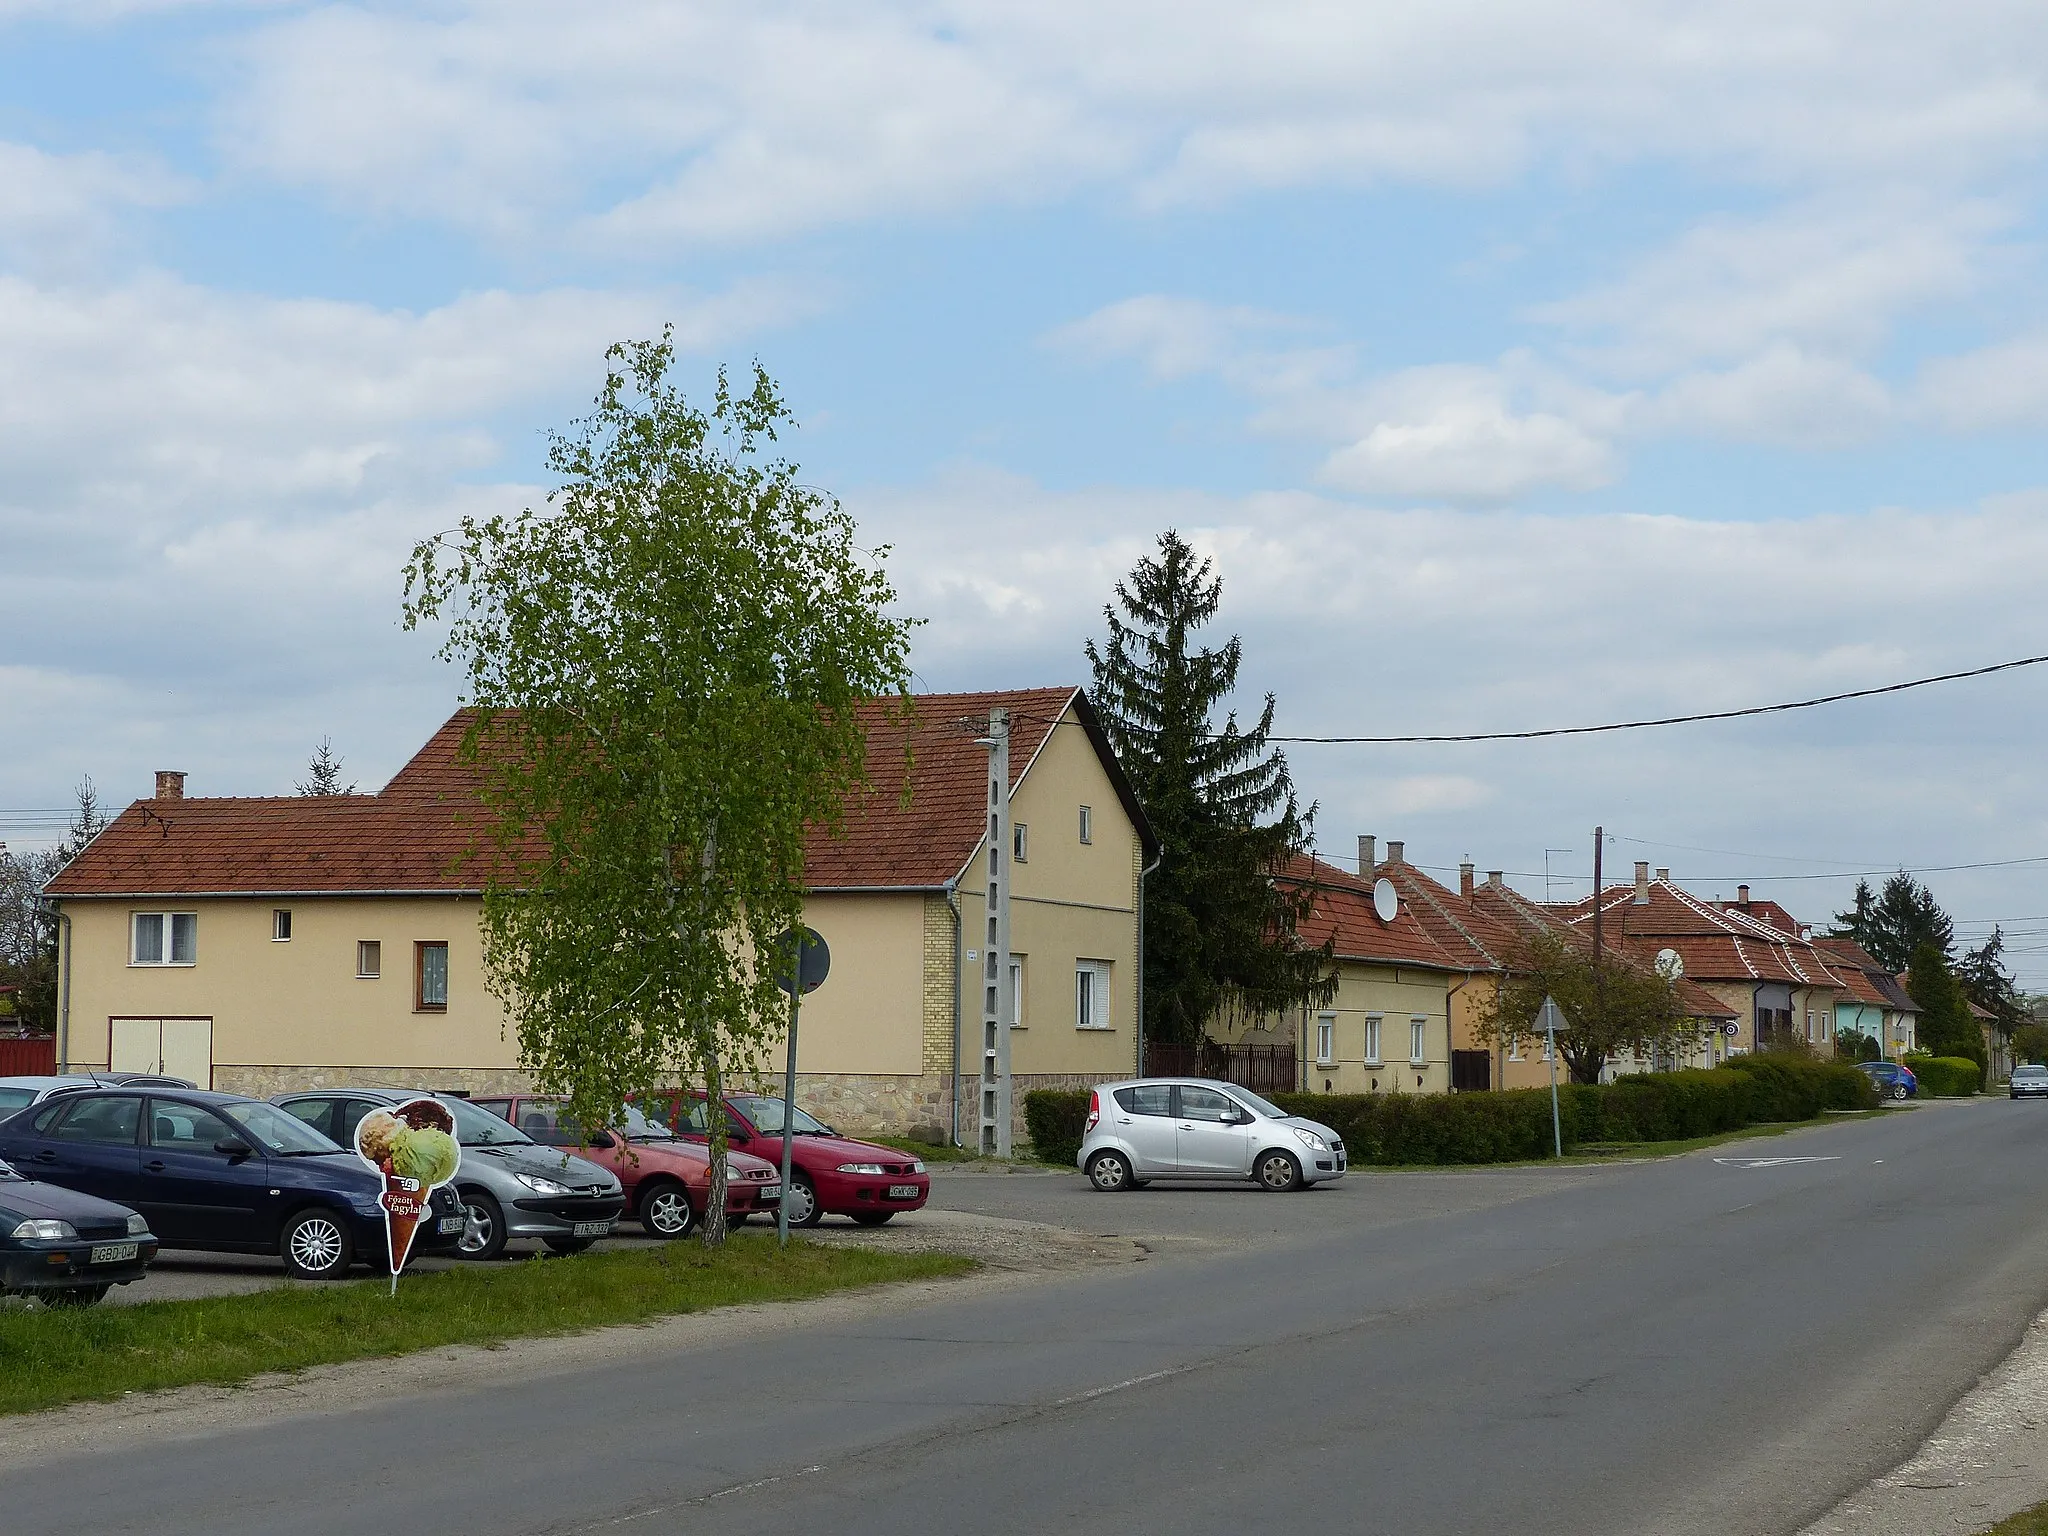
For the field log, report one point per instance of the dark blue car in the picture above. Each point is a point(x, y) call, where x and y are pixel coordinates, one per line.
point(65, 1248)
point(1893, 1081)
point(218, 1171)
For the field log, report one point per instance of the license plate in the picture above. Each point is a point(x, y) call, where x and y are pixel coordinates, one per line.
point(770, 1192)
point(449, 1224)
point(903, 1191)
point(115, 1253)
point(591, 1228)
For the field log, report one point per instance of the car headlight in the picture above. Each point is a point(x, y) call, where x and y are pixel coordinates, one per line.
point(541, 1186)
point(49, 1231)
point(138, 1226)
point(875, 1168)
point(917, 1165)
point(1310, 1139)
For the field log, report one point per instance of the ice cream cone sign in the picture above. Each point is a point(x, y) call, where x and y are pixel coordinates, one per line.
point(412, 1148)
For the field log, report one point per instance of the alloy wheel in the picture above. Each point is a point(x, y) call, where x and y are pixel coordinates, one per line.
point(667, 1213)
point(477, 1228)
point(316, 1244)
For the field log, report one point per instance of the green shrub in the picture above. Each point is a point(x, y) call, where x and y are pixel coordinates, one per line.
point(1787, 1086)
point(1056, 1119)
point(1946, 1077)
point(1437, 1128)
point(1663, 1106)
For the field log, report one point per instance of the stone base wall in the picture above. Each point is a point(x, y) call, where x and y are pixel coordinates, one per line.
point(262, 1082)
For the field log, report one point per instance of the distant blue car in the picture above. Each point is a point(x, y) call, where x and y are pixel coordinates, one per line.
point(1893, 1081)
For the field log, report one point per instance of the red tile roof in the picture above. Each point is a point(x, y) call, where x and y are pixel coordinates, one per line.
point(1715, 943)
point(412, 836)
point(1343, 911)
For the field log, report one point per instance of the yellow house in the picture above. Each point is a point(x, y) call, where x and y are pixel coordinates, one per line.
point(256, 945)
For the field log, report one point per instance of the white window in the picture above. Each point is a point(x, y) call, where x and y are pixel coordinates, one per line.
point(1514, 1047)
point(1809, 1023)
point(280, 926)
point(1824, 1024)
point(1418, 1043)
point(1087, 823)
point(369, 959)
point(164, 938)
point(1091, 994)
point(1546, 1048)
point(1016, 991)
point(1326, 1038)
point(1020, 843)
point(1372, 1039)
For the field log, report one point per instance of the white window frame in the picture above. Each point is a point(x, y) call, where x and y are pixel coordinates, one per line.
point(1087, 823)
point(1020, 843)
point(280, 925)
point(1418, 1039)
point(1326, 1039)
point(1091, 995)
point(1017, 990)
point(373, 950)
point(1372, 1039)
point(167, 939)
point(1514, 1047)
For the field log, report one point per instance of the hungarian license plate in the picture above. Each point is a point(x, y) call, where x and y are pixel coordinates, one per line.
point(449, 1224)
point(902, 1191)
point(592, 1228)
point(770, 1193)
point(115, 1253)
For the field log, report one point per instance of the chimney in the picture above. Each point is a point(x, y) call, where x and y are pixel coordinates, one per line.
point(1493, 877)
point(1394, 848)
point(1642, 882)
point(1663, 875)
point(1368, 856)
point(1742, 897)
point(1465, 878)
point(170, 784)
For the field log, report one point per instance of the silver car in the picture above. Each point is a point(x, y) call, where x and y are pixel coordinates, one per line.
point(510, 1185)
point(17, 1093)
point(2029, 1083)
point(1190, 1128)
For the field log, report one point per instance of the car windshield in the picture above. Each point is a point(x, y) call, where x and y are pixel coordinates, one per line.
point(767, 1117)
point(280, 1134)
point(1246, 1096)
point(12, 1099)
point(476, 1127)
point(639, 1128)
point(2030, 1072)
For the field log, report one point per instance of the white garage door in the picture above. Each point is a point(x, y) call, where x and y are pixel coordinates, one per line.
point(174, 1047)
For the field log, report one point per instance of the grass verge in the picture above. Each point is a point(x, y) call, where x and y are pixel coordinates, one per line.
point(48, 1358)
point(2028, 1522)
point(926, 1150)
point(1630, 1151)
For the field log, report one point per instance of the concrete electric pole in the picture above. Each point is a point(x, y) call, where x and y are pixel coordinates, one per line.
point(997, 1005)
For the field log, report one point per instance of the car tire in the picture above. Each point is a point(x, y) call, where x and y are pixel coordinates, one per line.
point(78, 1296)
point(873, 1218)
point(801, 1199)
point(1278, 1171)
point(317, 1245)
point(483, 1226)
point(1111, 1173)
point(566, 1246)
point(1898, 1090)
point(665, 1212)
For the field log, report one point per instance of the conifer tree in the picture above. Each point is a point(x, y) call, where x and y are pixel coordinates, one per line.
point(1947, 1027)
point(1220, 931)
point(1989, 985)
point(1904, 917)
point(324, 772)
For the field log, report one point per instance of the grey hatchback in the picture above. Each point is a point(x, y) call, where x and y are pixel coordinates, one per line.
point(1197, 1129)
point(2029, 1083)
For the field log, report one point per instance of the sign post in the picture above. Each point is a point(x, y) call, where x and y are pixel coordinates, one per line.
point(805, 962)
point(413, 1151)
point(1550, 1016)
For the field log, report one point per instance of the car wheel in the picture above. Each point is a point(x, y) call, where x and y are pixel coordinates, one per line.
point(1278, 1171)
point(665, 1212)
point(801, 1201)
point(483, 1226)
point(81, 1296)
point(872, 1218)
point(1898, 1090)
point(1110, 1172)
point(316, 1245)
point(568, 1245)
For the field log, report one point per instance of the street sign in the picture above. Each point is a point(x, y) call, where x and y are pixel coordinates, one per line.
point(813, 962)
point(1550, 1019)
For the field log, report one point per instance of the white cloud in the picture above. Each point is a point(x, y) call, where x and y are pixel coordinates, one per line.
point(1174, 337)
point(58, 211)
point(2004, 385)
point(1781, 395)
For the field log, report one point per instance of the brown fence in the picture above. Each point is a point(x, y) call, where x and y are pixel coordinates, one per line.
point(1261, 1068)
point(27, 1058)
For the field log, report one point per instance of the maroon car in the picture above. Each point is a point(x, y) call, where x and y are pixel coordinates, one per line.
point(828, 1173)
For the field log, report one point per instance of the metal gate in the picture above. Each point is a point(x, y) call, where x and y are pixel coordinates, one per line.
point(1471, 1071)
point(1261, 1068)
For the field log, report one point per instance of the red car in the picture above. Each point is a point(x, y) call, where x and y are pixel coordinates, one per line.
point(828, 1173)
point(667, 1178)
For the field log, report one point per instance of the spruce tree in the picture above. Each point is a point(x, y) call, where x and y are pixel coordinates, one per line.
point(1989, 985)
point(1220, 930)
point(324, 770)
point(1905, 916)
point(1855, 924)
point(1947, 1027)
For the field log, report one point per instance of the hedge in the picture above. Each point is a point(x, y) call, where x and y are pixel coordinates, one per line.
point(1056, 1119)
point(1438, 1128)
point(1946, 1077)
point(1786, 1086)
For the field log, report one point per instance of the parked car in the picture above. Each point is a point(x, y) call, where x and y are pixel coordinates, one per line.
point(217, 1171)
point(66, 1248)
point(2029, 1083)
point(139, 1080)
point(1893, 1081)
point(508, 1187)
point(17, 1093)
point(666, 1178)
point(1193, 1128)
point(829, 1174)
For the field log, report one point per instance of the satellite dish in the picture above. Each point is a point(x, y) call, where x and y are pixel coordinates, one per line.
point(1670, 964)
point(1386, 901)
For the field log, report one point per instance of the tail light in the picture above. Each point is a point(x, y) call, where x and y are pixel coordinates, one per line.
point(1094, 1110)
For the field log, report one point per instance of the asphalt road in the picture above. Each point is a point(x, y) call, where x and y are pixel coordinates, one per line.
point(1696, 1345)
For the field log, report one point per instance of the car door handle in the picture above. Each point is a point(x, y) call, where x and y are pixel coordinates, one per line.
point(1123, 1119)
point(155, 1166)
point(1187, 1125)
point(46, 1157)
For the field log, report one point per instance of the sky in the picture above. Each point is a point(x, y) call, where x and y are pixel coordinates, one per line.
point(1518, 363)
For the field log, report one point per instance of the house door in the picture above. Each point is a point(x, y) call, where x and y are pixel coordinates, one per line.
point(169, 1047)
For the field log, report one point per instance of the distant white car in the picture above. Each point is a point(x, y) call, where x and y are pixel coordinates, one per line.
point(1191, 1128)
point(2029, 1083)
point(17, 1093)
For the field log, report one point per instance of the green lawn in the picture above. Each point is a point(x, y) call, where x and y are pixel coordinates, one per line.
point(926, 1150)
point(48, 1358)
point(2028, 1522)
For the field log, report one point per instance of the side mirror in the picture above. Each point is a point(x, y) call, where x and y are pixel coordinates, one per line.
point(602, 1141)
point(232, 1148)
point(734, 1134)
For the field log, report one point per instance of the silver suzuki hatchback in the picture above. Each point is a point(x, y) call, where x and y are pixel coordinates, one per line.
point(1190, 1129)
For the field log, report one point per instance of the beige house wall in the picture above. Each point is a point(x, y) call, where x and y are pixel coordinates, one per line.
point(1397, 995)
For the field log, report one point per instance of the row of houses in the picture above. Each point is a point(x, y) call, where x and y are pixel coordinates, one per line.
point(259, 944)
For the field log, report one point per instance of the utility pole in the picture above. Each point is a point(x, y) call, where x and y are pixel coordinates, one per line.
point(1599, 891)
point(996, 1001)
